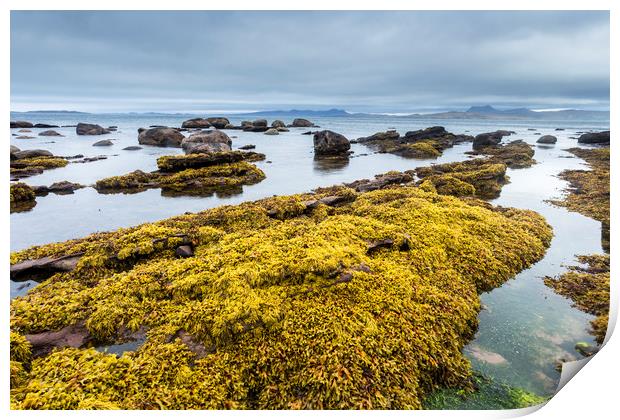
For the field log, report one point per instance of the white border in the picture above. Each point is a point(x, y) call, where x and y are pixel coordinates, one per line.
point(591, 394)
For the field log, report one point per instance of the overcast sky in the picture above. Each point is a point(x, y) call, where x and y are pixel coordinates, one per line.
point(359, 61)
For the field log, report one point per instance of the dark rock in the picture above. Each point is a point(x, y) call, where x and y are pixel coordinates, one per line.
point(248, 147)
point(255, 129)
point(381, 181)
point(24, 154)
point(259, 123)
point(43, 268)
point(184, 251)
point(132, 148)
point(72, 336)
point(21, 124)
point(377, 245)
point(559, 129)
point(41, 125)
point(162, 137)
point(84, 129)
point(278, 124)
point(427, 133)
point(103, 143)
point(594, 138)
point(302, 122)
point(195, 123)
point(490, 139)
point(218, 122)
point(60, 188)
point(309, 133)
point(50, 133)
point(383, 135)
point(329, 143)
point(548, 139)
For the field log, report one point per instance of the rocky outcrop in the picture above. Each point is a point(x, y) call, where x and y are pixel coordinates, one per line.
point(594, 138)
point(302, 122)
point(21, 124)
point(162, 137)
point(329, 143)
point(490, 139)
point(83, 129)
point(548, 139)
point(50, 133)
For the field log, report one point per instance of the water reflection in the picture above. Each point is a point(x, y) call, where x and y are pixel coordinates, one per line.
point(330, 163)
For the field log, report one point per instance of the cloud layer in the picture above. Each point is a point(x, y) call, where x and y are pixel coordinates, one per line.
point(361, 61)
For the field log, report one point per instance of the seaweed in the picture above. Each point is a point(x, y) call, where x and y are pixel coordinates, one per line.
point(332, 299)
point(22, 197)
point(588, 288)
point(26, 167)
point(516, 154)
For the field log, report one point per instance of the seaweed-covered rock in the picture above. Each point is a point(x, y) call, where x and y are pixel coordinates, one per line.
point(547, 139)
point(594, 138)
point(329, 143)
point(490, 139)
point(202, 160)
point(25, 167)
point(21, 124)
point(161, 136)
point(516, 154)
point(280, 307)
point(22, 197)
point(83, 129)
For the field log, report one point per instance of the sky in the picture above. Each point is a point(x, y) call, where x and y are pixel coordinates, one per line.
point(413, 61)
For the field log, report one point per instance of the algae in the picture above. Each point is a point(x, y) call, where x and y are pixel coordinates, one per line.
point(22, 197)
point(588, 288)
point(26, 167)
point(332, 299)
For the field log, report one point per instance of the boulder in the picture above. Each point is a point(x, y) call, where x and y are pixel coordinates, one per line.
point(427, 133)
point(490, 139)
point(218, 122)
point(278, 124)
point(329, 143)
point(548, 139)
point(259, 123)
point(206, 148)
point(83, 129)
point(34, 153)
point(21, 124)
point(272, 132)
point(50, 133)
point(206, 142)
point(195, 123)
point(302, 122)
point(594, 138)
point(41, 125)
point(162, 137)
point(103, 143)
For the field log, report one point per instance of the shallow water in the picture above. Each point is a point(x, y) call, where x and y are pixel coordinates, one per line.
point(524, 328)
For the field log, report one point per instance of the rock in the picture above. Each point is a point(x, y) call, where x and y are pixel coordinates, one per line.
point(384, 135)
point(184, 251)
point(195, 123)
point(278, 124)
point(218, 122)
point(14, 149)
point(381, 181)
point(594, 138)
point(24, 130)
point(43, 268)
point(585, 349)
point(41, 125)
point(302, 122)
point(103, 143)
point(162, 137)
point(246, 147)
point(246, 124)
point(24, 137)
point(21, 124)
point(329, 143)
point(206, 148)
point(559, 129)
point(207, 142)
point(309, 133)
point(548, 139)
point(132, 148)
point(490, 139)
point(83, 129)
point(272, 132)
point(33, 153)
point(427, 133)
point(72, 336)
point(259, 123)
point(64, 187)
point(50, 133)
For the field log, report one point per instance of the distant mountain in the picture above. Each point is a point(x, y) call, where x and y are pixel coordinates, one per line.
point(302, 113)
point(489, 112)
point(49, 112)
point(488, 109)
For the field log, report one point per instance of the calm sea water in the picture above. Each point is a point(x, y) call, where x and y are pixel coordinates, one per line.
point(524, 328)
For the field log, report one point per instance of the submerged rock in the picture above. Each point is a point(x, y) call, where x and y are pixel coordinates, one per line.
point(132, 148)
point(50, 133)
point(329, 143)
point(103, 143)
point(83, 129)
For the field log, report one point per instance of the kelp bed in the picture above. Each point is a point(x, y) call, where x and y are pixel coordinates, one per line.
point(334, 299)
point(588, 287)
point(194, 174)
